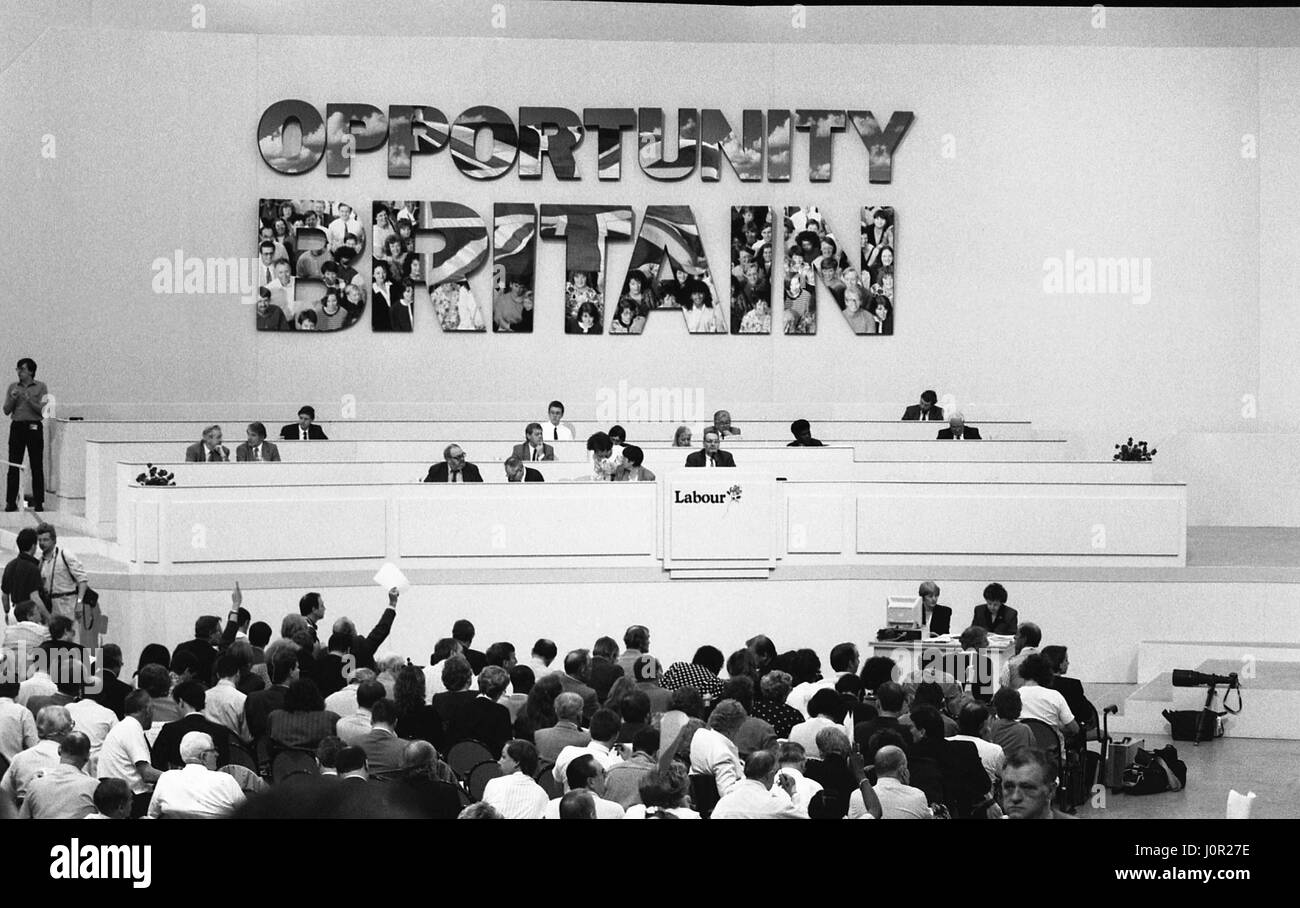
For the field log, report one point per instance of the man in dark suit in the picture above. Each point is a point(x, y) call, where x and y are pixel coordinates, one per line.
point(257, 447)
point(203, 649)
point(939, 616)
point(483, 719)
point(112, 691)
point(517, 472)
point(305, 429)
point(994, 615)
point(191, 698)
point(210, 449)
point(926, 409)
point(958, 430)
point(712, 455)
point(330, 666)
point(463, 633)
point(454, 468)
point(261, 703)
point(533, 448)
point(947, 771)
point(384, 749)
point(573, 680)
point(363, 648)
point(1058, 658)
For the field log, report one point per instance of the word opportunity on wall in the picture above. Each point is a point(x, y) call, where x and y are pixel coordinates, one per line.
point(668, 268)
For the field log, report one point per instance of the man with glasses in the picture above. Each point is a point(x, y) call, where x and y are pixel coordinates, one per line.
point(197, 790)
point(454, 468)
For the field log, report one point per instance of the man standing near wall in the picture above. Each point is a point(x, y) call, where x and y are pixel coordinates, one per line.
point(24, 403)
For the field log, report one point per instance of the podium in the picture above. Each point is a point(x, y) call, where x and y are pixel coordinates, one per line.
point(720, 523)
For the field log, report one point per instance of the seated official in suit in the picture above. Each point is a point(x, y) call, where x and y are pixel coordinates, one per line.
point(257, 448)
point(722, 422)
point(453, 468)
point(711, 456)
point(937, 617)
point(801, 429)
point(305, 429)
point(926, 409)
point(533, 448)
point(210, 449)
point(958, 430)
point(994, 615)
point(631, 470)
point(517, 472)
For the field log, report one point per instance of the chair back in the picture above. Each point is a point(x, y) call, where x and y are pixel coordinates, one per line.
point(464, 756)
point(480, 775)
point(249, 781)
point(1047, 738)
point(291, 762)
point(704, 793)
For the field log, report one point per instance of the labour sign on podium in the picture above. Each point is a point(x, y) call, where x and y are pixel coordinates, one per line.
point(720, 523)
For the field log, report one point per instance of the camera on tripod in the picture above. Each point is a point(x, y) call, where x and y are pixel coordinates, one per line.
point(1183, 677)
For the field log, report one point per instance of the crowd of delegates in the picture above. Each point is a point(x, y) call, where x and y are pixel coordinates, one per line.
point(751, 270)
point(691, 292)
point(302, 241)
point(235, 721)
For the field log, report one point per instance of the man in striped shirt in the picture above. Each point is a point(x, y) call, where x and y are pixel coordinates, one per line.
point(515, 795)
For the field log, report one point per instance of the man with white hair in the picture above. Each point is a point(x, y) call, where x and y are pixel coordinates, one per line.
point(713, 749)
point(756, 797)
point(53, 724)
point(958, 430)
point(64, 791)
point(196, 791)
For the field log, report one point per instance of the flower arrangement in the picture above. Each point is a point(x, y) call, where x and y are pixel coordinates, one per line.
point(1133, 452)
point(156, 477)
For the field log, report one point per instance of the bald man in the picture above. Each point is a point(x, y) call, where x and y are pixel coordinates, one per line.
point(64, 791)
point(898, 800)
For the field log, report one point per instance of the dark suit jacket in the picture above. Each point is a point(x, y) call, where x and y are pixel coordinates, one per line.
point(863, 732)
point(914, 413)
point(270, 452)
point(260, 704)
point(697, 459)
point(805, 443)
point(481, 720)
point(205, 656)
point(450, 707)
point(423, 724)
point(477, 660)
point(571, 685)
point(940, 620)
point(291, 433)
point(1008, 619)
point(166, 750)
point(364, 648)
point(969, 433)
point(602, 675)
point(198, 453)
point(112, 694)
point(438, 473)
point(531, 475)
point(329, 674)
point(1072, 690)
point(523, 452)
point(950, 772)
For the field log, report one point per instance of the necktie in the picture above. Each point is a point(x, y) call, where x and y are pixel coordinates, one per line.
point(302, 434)
point(537, 453)
point(556, 430)
point(257, 453)
point(213, 456)
point(455, 477)
point(711, 461)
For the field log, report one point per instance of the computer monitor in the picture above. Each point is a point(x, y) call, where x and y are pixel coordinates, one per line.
point(903, 611)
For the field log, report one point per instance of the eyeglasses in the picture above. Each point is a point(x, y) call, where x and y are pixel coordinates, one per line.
point(457, 457)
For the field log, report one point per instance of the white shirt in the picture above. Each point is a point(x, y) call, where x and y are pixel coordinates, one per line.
point(31, 764)
point(124, 747)
point(539, 668)
point(95, 722)
point(715, 754)
point(751, 800)
point(805, 733)
point(638, 812)
point(802, 693)
point(556, 433)
point(604, 756)
point(225, 706)
point(991, 754)
point(195, 791)
point(1045, 705)
point(605, 810)
point(353, 728)
point(804, 787)
point(1010, 676)
point(897, 802)
point(343, 703)
point(517, 797)
point(40, 684)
